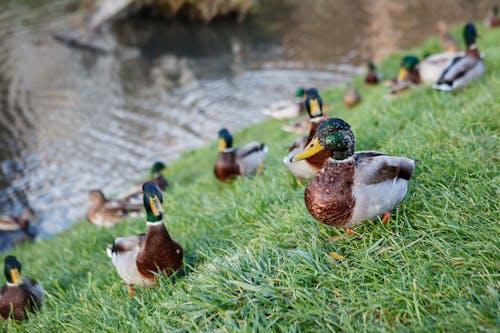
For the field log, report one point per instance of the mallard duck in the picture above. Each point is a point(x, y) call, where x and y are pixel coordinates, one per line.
point(138, 258)
point(352, 187)
point(492, 20)
point(447, 41)
point(351, 96)
point(14, 223)
point(134, 194)
point(431, 67)
point(462, 70)
point(240, 161)
point(372, 75)
point(105, 213)
point(408, 75)
point(286, 109)
point(20, 294)
point(307, 168)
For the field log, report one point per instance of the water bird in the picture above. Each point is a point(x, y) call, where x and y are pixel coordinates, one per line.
point(307, 168)
point(22, 222)
point(463, 69)
point(372, 75)
point(447, 41)
point(352, 186)
point(408, 74)
point(106, 212)
point(20, 294)
point(351, 96)
point(492, 19)
point(287, 109)
point(237, 161)
point(134, 194)
point(138, 258)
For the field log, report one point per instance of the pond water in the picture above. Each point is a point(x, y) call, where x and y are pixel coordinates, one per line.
point(74, 120)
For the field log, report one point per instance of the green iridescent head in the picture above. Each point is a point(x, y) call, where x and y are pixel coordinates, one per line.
point(333, 134)
point(301, 92)
point(12, 270)
point(153, 202)
point(372, 66)
point(470, 34)
point(157, 167)
point(409, 61)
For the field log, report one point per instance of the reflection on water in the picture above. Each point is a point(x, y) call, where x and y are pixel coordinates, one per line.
point(71, 121)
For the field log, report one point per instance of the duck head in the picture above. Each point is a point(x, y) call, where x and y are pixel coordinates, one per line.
point(96, 196)
point(407, 64)
point(12, 270)
point(300, 93)
point(153, 202)
point(158, 167)
point(470, 34)
point(225, 140)
point(333, 134)
point(314, 103)
point(371, 66)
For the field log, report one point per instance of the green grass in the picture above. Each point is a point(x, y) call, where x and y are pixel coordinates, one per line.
point(256, 260)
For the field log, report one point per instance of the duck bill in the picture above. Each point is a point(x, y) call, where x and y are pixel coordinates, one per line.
point(221, 145)
point(311, 149)
point(15, 275)
point(403, 73)
point(314, 108)
point(155, 205)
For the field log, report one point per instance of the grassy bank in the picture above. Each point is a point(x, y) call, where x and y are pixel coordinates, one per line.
point(255, 259)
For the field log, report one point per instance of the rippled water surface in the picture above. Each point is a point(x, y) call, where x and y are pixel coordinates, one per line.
point(72, 120)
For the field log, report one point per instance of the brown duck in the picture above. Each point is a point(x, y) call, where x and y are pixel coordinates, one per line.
point(106, 213)
point(138, 258)
point(351, 96)
point(20, 294)
point(352, 187)
point(307, 168)
point(14, 223)
point(241, 161)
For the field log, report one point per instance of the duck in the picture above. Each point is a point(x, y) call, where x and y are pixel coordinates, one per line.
point(232, 161)
point(430, 67)
point(408, 75)
point(22, 222)
point(351, 96)
point(464, 69)
point(447, 41)
point(134, 194)
point(287, 109)
point(307, 168)
point(19, 295)
point(372, 75)
point(139, 258)
point(104, 212)
point(492, 19)
point(352, 187)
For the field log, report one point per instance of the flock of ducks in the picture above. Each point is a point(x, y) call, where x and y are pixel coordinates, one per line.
point(345, 187)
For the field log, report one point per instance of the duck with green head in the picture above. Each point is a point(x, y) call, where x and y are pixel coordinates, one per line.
point(372, 75)
point(464, 69)
point(408, 75)
point(138, 258)
point(134, 194)
point(492, 19)
point(307, 168)
point(20, 294)
point(232, 161)
point(352, 186)
point(287, 109)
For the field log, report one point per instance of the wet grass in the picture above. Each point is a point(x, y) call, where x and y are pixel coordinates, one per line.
point(256, 260)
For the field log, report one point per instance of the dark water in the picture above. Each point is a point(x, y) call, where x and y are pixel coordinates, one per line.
point(72, 120)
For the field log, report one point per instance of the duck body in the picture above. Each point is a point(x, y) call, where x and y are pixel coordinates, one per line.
point(430, 68)
point(106, 213)
point(372, 75)
point(137, 258)
point(286, 109)
point(462, 70)
point(13, 223)
point(351, 96)
point(359, 188)
point(20, 294)
point(492, 19)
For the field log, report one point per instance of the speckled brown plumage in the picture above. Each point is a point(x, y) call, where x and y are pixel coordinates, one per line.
point(19, 299)
point(225, 166)
point(328, 196)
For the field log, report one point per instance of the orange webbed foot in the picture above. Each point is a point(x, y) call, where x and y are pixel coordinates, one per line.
point(385, 217)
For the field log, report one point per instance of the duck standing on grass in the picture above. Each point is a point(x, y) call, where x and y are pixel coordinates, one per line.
point(20, 294)
point(372, 75)
point(352, 187)
point(134, 194)
point(239, 161)
point(351, 96)
point(106, 213)
point(462, 70)
point(492, 20)
point(307, 168)
point(138, 258)
point(407, 76)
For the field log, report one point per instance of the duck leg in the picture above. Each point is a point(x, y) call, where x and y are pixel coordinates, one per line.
point(259, 169)
point(299, 181)
point(130, 289)
point(385, 217)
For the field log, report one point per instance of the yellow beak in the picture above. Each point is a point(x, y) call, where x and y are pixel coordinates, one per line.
point(221, 144)
point(311, 149)
point(403, 73)
point(156, 207)
point(314, 107)
point(15, 275)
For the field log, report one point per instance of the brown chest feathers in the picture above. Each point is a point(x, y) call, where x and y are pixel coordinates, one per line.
point(16, 300)
point(226, 166)
point(161, 253)
point(328, 196)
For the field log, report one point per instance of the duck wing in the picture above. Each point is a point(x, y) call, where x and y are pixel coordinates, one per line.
point(121, 205)
point(126, 244)
point(373, 167)
point(250, 156)
point(457, 68)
